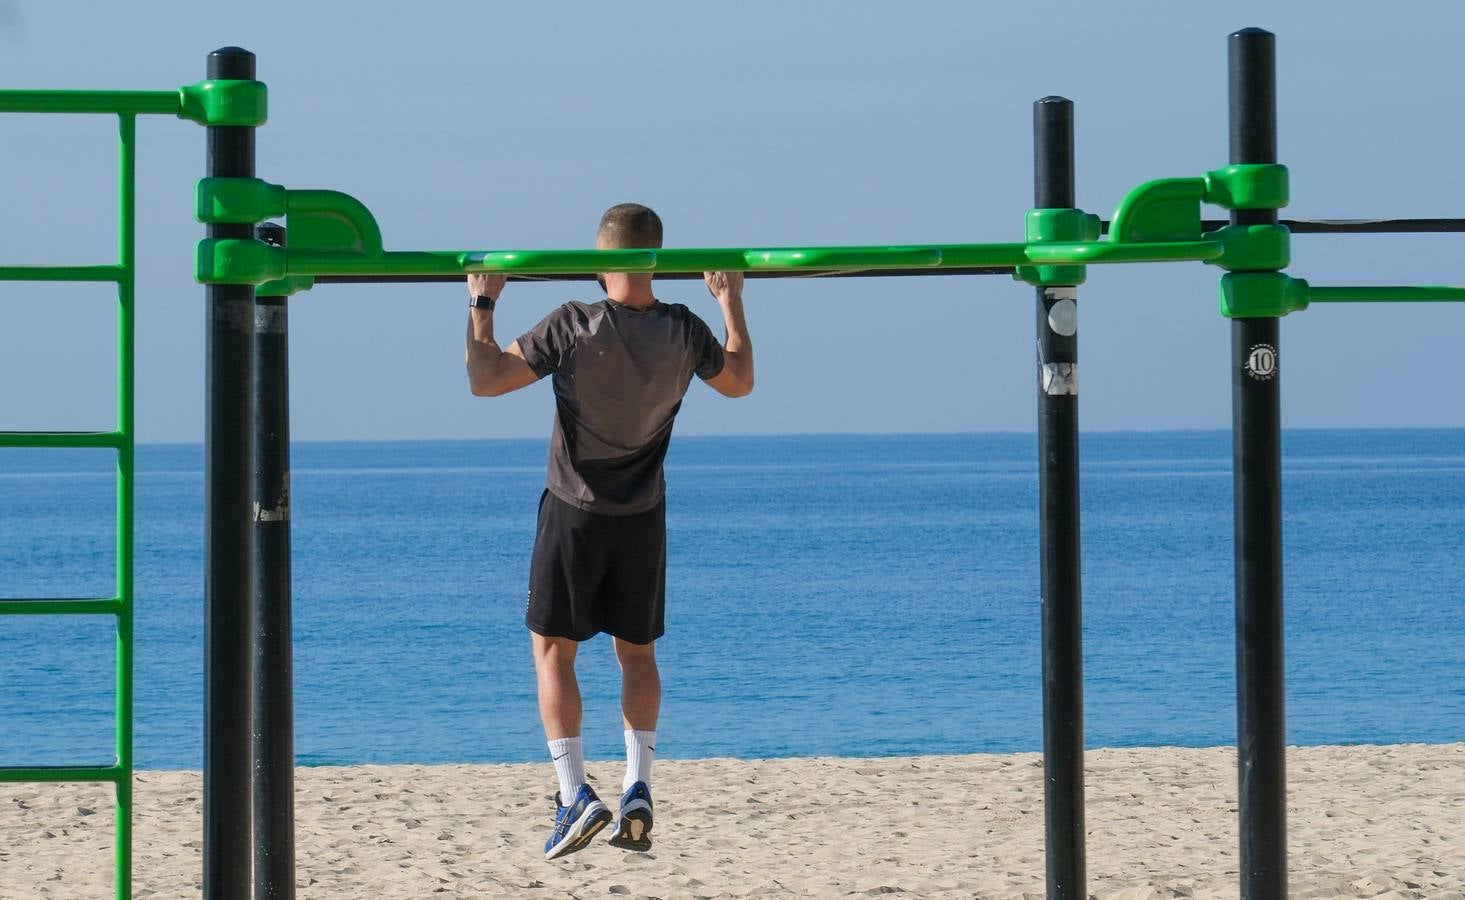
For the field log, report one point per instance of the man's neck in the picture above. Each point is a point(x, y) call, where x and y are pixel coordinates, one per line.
point(635, 294)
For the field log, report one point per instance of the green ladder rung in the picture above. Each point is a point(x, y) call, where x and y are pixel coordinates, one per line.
point(61, 606)
point(112, 774)
point(62, 273)
point(113, 439)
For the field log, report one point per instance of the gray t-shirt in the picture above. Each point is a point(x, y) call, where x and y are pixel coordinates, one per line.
point(619, 377)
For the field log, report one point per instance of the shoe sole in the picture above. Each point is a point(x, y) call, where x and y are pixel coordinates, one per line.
point(588, 827)
point(634, 832)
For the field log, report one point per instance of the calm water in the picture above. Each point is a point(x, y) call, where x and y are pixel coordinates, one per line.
point(827, 595)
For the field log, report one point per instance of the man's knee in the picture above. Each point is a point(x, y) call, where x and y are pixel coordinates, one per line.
point(554, 651)
point(628, 653)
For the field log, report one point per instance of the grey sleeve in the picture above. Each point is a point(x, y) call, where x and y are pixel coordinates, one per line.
point(707, 354)
point(545, 346)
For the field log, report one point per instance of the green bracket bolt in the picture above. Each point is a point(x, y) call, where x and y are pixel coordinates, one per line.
point(224, 102)
point(1057, 226)
point(1258, 295)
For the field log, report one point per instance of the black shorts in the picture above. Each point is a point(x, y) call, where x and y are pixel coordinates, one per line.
point(592, 573)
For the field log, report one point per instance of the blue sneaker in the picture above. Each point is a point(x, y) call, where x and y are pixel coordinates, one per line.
point(576, 824)
point(633, 831)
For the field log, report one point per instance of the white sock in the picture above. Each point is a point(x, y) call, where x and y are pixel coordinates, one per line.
point(568, 755)
point(640, 747)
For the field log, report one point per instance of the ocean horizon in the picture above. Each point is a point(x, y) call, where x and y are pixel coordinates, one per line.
point(828, 595)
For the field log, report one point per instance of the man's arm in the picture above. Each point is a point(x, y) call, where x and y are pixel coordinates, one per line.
point(736, 377)
point(491, 371)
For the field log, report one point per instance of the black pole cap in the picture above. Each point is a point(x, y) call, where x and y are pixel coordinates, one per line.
point(231, 62)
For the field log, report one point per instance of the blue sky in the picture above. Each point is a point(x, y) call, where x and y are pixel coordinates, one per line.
point(493, 125)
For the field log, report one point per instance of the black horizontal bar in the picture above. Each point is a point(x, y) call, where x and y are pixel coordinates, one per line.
point(677, 276)
point(1352, 226)
point(1375, 226)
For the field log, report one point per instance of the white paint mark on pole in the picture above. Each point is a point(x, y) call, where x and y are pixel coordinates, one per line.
point(1060, 379)
point(1063, 317)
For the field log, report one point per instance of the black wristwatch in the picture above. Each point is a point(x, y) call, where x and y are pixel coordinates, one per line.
point(482, 301)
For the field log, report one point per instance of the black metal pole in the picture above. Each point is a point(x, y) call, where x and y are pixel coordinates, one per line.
point(274, 705)
point(1256, 422)
point(228, 483)
point(1063, 787)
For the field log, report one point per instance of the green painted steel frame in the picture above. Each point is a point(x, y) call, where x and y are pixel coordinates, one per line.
point(126, 105)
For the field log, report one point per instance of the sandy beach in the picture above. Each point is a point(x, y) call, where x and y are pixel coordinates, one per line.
point(1363, 822)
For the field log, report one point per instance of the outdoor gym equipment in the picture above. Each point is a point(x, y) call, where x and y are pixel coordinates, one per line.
point(250, 266)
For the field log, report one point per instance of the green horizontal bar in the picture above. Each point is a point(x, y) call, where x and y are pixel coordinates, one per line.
point(1124, 252)
point(975, 256)
point(682, 260)
point(1399, 293)
point(62, 273)
point(845, 258)
point(36, 774)
point(167, 103)
point(400, 262)
point(555, 262)
point(113, 439)
point(87, 606)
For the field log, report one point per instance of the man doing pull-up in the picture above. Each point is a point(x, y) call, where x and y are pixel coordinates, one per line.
point(621, 367)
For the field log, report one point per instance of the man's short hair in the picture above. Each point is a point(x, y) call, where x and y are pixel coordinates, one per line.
point(630, 226)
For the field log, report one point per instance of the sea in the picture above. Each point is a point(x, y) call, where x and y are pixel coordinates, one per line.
point(827, 595)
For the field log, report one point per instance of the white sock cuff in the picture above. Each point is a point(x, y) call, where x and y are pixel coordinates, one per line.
point(568, 755)
point(567, 745)
point(640, 748)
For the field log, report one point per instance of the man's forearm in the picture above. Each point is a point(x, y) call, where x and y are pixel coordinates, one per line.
point(482, 352)
point(738, 347)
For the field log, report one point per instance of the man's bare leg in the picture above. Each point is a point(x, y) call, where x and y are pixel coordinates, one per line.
point(560, 710)
point(559, 692)
point(640, 706)
point(640, 685)
point(582, 815)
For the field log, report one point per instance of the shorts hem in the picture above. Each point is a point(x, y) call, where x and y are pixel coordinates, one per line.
point(546, 631)
point(654, 638)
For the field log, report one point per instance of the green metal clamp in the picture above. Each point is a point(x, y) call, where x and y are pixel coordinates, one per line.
point(238, 201)
point(1057, 226)
point(1250, 248)
point(1168, 209)
point(1253, 295)
point(224, 102)
point(319, 224)
point(1248, 186)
